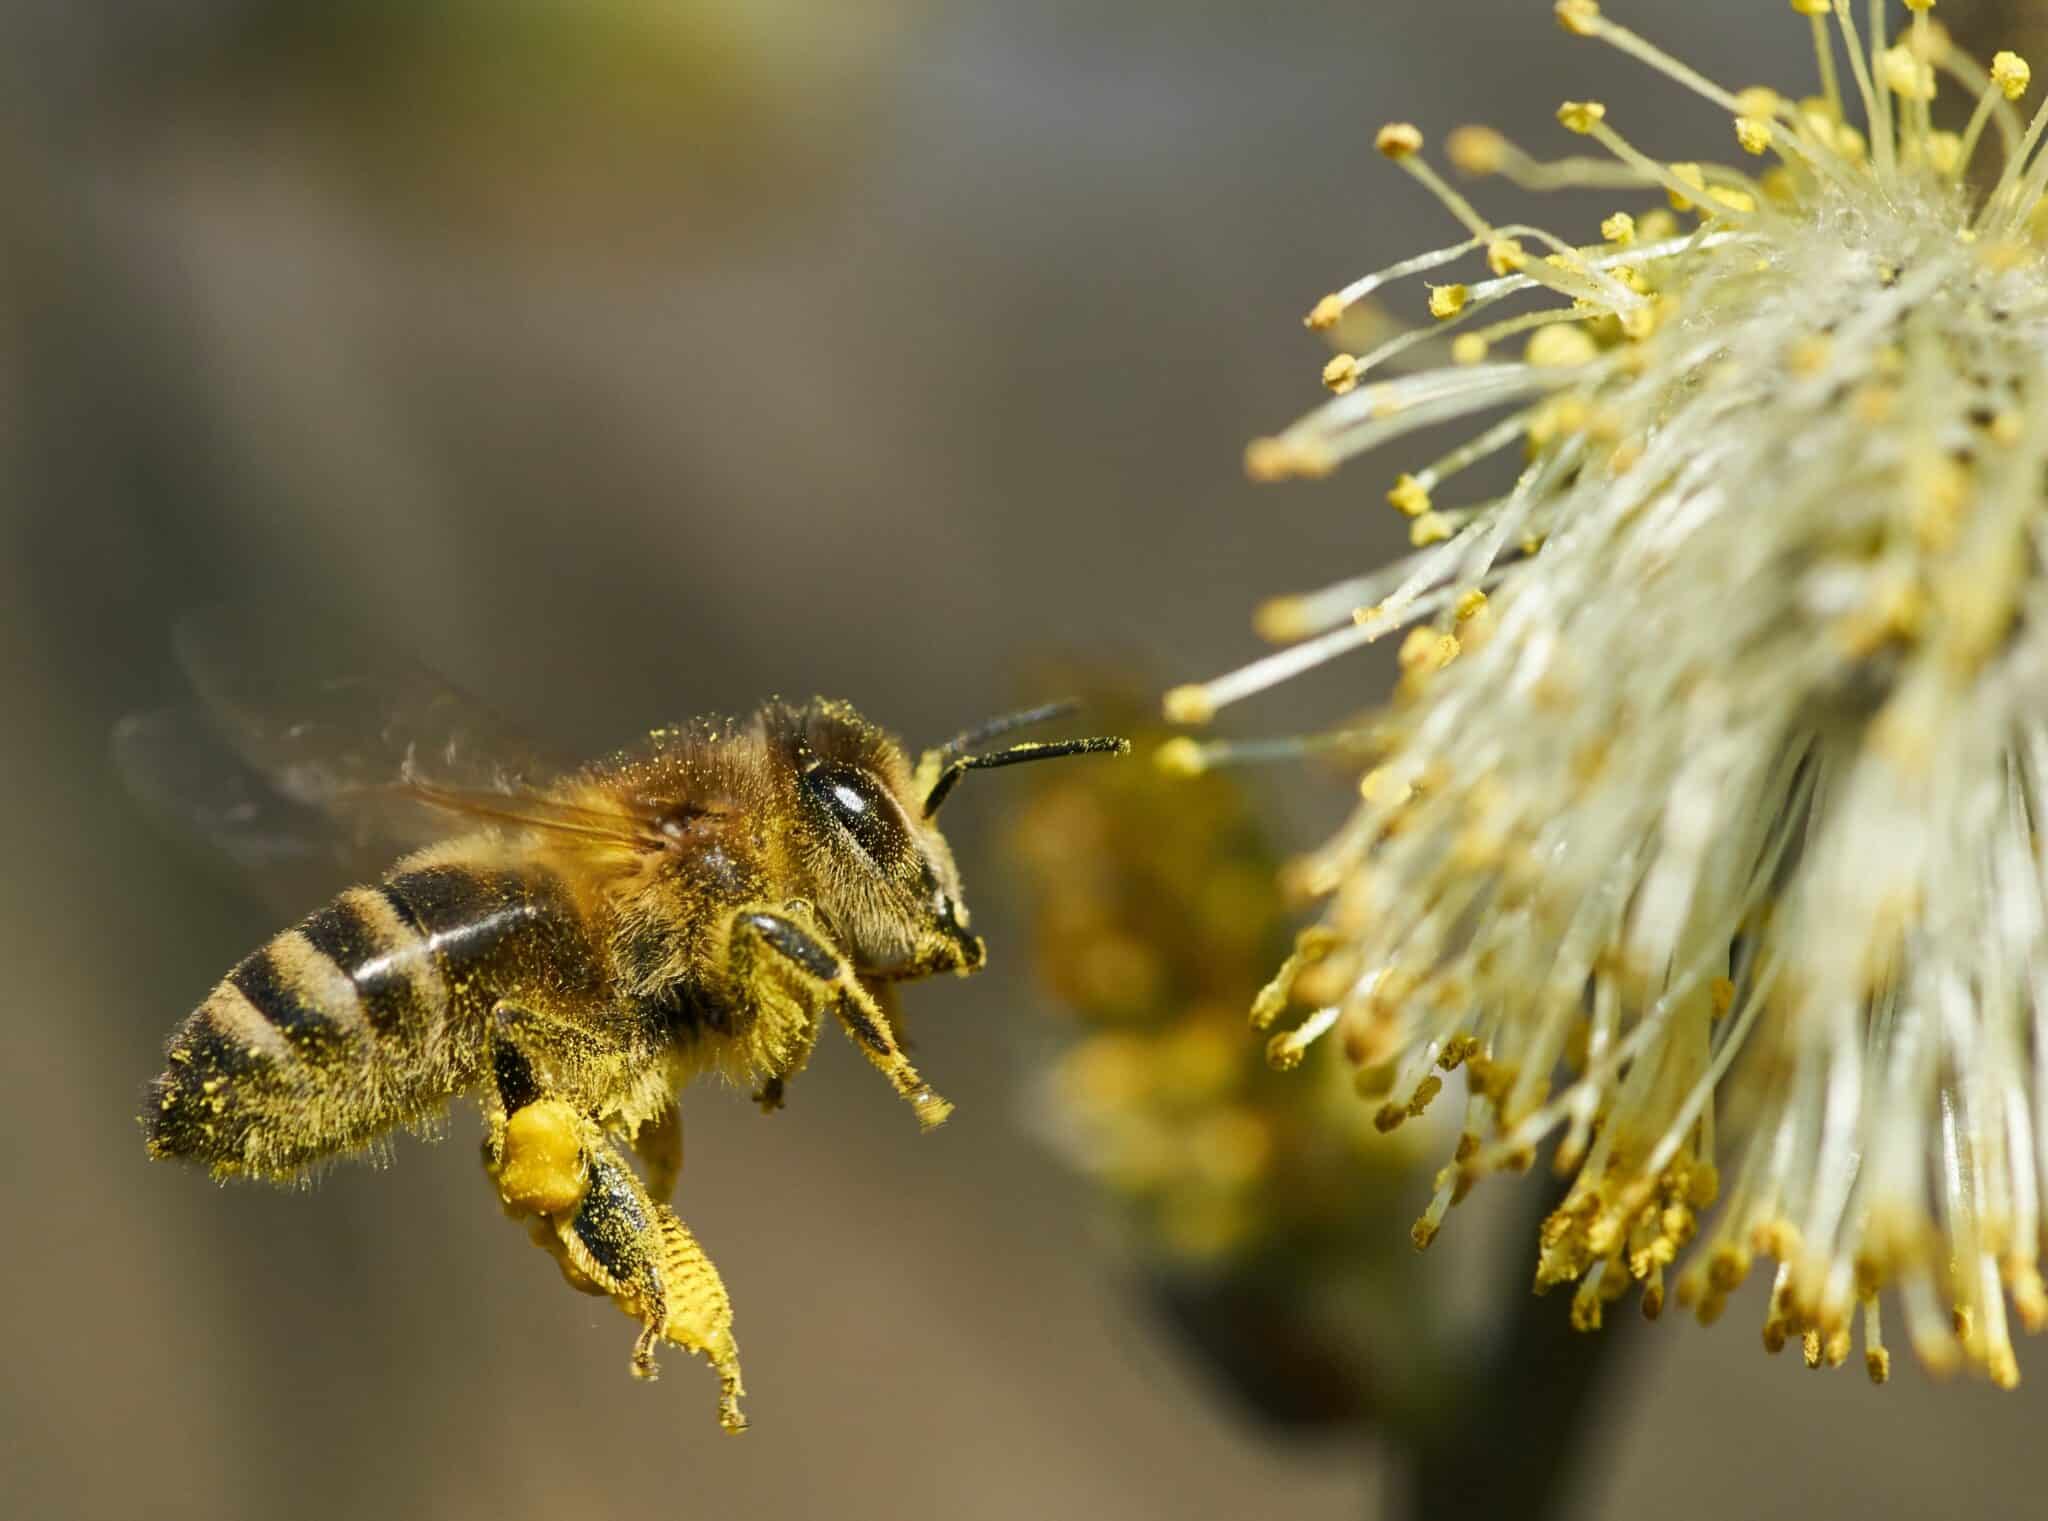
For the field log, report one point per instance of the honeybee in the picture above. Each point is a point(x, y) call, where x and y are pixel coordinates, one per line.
point(570, 944)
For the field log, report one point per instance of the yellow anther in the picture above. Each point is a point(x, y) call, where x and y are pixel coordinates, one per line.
point(1643, 321)
point(1326, 313)
point(1476, 150)
point(1760, 101)
point(1409, 496)
point(1619, 229)
point(1280, 459)
point(1686, 174)
point(1808, 356)
point(1468, 348)
point(1580, 17)
point(1505, 256)
point(1430, 528)
point(1581, 116)
point(1754, 135)
point(1469, 605)
point(1919, 5)
point(1655, 226)
point(1181, 756)
point(1380, 786)
point(1560, 344)
point(1425, 652)
point(1910, 77)
point(1733, 199)
point(1398, 139)
point(1944, 152)
point(2011, 74)
point(1189, 705)
point(1812, 7)
point(1341, 373)
point(1447, 300)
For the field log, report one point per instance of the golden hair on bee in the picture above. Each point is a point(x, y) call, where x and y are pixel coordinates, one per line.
point(571, 945)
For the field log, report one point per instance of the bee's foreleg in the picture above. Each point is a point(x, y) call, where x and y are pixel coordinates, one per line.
point(826, 982)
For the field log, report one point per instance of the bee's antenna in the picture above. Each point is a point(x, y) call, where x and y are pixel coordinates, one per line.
point(959, 765)
point(994, 728)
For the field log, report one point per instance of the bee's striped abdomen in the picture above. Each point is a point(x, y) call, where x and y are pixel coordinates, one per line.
point(369, 1014)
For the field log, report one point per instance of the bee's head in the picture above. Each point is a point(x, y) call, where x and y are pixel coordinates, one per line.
point(879, 872)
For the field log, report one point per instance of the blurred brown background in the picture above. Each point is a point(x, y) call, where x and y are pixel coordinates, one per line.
point(633, 360)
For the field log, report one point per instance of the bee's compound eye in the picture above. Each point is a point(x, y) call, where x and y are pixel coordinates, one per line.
point(853, 798)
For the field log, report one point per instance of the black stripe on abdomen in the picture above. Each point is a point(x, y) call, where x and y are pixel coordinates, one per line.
point(259, 980)
point(384, 973)
point(464, 913)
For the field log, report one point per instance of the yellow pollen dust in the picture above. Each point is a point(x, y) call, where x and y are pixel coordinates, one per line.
point(1619, 229)
point(1581, 116)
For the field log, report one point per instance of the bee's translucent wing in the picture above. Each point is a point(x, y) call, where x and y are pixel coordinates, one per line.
point(314, 746)
point(329, 719)
point(183, 773)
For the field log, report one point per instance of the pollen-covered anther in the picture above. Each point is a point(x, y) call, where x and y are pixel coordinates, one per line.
point(1907, 75)
point(1409, 496)
point(2011, 74)
point(1447, 300)
point(1581, 116)
point(1430, 528)
point(1619, 229)
point(1398, 139)
point(1580, 17)
point(1476, 150)
point(1560, 346)
point(1506, 256)
point(1753, 134)
point(1279, 459)
point(1341, 373)
point(1325, 314)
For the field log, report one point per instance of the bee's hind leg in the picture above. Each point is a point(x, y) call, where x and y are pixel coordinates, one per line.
point(639, 1252)
point(554, 1165)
